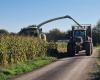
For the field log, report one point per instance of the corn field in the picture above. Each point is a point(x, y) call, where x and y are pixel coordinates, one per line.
point(62, 46)
point(17, 49)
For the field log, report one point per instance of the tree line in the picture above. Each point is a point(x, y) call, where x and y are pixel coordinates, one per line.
point(96, 33)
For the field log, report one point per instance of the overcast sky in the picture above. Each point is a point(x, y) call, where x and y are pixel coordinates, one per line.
point(16, 14)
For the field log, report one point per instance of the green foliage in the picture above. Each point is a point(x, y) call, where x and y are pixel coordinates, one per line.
point(15, 49)
point(24, 67)
point(96, 34)
point(95, 74)
point(20, 54)
point(52, 45)
point(56, 34)
point(62, 46)
point(3, 32)
point(3, 77)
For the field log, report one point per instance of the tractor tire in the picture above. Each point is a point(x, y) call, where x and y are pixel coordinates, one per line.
point(70, 50)
point(89, 49)
point(77, 49)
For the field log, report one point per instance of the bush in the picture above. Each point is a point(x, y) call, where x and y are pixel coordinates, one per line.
point(3, 77)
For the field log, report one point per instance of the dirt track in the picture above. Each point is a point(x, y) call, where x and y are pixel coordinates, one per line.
point(73, 68)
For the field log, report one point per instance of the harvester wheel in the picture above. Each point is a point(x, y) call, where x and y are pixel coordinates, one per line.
point(42, 36)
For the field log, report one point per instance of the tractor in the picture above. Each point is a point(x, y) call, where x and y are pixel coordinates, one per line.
point(80, 39)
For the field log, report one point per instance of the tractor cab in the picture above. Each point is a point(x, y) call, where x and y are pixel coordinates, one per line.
point(80, 39)
point(80, 34)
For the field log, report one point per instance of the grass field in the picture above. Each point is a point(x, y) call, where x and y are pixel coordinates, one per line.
point(6, 73)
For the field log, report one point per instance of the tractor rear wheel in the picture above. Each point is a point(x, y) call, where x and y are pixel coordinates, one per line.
point(70, 50)
point(89, 49)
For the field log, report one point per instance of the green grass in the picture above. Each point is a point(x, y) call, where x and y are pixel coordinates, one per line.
point(16, 69)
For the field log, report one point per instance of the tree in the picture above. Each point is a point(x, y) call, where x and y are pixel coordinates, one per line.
point(96, 34)
point(3, 32)
point(56, 34)
point(13, 34)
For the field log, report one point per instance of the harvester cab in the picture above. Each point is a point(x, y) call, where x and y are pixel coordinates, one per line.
point(34, 31)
